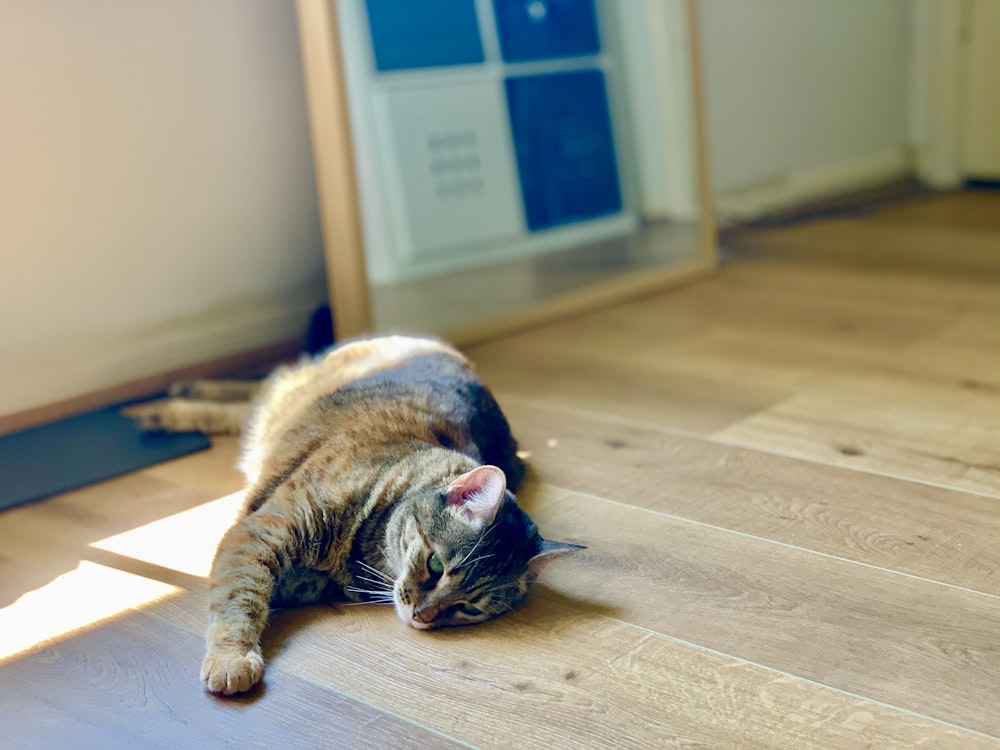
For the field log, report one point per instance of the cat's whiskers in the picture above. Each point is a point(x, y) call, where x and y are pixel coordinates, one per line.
point(479, 541)
point(377, 589)
point(386, 585)
point(375, 571)
point(481, 557)
point(374, 593)
point(505, 586)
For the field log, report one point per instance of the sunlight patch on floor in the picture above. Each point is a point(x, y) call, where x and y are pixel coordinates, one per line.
point(184, 542)
point(76, 599)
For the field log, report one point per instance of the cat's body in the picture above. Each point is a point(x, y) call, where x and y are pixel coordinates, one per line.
point(377, 472)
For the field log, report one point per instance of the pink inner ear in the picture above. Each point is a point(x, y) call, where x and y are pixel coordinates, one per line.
point(478, 493)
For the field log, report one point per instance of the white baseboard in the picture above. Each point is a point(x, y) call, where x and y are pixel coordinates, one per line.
point(223, 330)
point(662, 206)
point(791, 189)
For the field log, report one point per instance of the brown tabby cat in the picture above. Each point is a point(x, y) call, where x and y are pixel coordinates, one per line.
point(379, 472)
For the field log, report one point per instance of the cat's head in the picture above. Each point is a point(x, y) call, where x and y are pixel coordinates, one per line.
point(465, 553)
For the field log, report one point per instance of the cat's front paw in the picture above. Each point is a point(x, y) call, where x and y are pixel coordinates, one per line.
point(231, 672)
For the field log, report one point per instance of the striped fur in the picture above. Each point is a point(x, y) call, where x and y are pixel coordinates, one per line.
point(379, 472)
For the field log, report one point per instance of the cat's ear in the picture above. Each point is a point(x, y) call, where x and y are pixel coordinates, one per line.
point(478, 494)
point(548, 552)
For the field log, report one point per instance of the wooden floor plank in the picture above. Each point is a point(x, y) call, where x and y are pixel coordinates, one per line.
point(898, 288)
point(811, 616)
point(131, 684)
point(941, 436)
point(700, 403)
point(811, 396)
point(964, 211)
point(940, 534)
point(925, 248)
point(764, 345)
point(41, 541)
point(214, 472)
point(968, 352)
point(558, 673)
point(779, 606)
point(793, 361)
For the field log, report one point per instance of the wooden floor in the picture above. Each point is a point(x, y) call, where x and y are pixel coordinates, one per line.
point(788, 478)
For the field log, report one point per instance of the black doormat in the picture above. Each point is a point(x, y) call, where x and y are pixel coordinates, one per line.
point(81, 450)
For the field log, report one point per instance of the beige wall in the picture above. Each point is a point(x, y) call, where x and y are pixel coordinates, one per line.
point(157, 203)
point(981, 75)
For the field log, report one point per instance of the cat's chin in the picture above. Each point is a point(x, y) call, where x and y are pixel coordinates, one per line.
point(420, 625)
point(404, 613)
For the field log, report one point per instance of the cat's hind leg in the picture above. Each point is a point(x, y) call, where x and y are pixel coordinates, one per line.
point(186, 415)
point(215, 390)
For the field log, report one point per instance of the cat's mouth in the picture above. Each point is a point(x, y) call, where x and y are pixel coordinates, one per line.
point(422, 616)
point(405, 612)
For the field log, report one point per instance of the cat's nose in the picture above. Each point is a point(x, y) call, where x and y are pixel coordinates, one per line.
point(425, 613)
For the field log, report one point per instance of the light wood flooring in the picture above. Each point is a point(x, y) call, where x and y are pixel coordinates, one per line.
point(788, 477)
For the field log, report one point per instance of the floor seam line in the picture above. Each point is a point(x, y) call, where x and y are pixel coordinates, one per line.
point(807, 680)
point(712, 439)
point(351, 696)
point(715, 527)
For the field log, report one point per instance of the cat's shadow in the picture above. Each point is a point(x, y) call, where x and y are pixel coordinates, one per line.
point(544, 606)
point(254, 694)
point(577, 605)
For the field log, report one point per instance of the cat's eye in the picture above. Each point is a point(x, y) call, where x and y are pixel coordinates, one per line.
point(434, 564)
point(463, 608)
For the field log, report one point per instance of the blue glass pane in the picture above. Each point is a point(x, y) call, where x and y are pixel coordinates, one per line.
point(564, 147)
point(537, 29)
point(424, 33)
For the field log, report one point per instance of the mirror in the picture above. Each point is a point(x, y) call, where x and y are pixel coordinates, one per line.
point(488, 164)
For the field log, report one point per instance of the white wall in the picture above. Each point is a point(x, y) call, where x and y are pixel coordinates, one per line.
point(810, 93)
point(157, 202)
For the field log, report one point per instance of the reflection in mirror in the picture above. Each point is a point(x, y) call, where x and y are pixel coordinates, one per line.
point(520, 160)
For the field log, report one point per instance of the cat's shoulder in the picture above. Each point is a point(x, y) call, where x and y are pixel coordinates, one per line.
point(377, 364)
point(387, 350)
